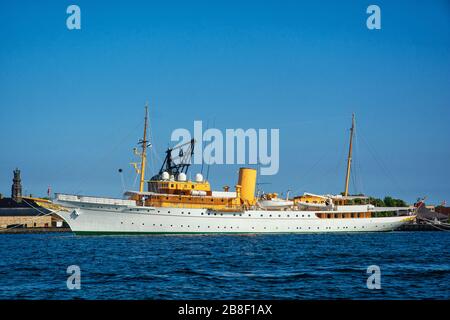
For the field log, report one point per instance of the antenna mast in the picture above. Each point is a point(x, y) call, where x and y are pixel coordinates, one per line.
point(144, 144)
point(349, 159)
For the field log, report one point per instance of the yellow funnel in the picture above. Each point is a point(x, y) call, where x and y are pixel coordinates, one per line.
point(247, 181)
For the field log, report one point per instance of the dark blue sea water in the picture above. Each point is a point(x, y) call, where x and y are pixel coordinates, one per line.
point(414, 265)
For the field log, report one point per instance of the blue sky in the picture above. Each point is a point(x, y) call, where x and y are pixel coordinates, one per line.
point(71, 102)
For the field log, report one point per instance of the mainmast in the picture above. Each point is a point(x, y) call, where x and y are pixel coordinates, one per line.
point(144, 145)
point(349, 159)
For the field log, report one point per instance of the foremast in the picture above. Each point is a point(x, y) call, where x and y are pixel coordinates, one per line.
point(144, 144)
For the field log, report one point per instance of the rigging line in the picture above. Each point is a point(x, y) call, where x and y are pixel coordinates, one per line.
point(310, 170)
point(435, 226)
point(202, 144)
point(356, 172)
point(381, 164)
point(209, 161)
point(339, 163)
point(432, 221)
point(106, 155)
point(359, 163)
point(39, 215)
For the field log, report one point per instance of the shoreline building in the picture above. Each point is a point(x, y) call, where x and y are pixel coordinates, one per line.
point(23, 212)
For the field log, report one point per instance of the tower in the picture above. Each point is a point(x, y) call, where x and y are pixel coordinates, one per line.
point(16, 189)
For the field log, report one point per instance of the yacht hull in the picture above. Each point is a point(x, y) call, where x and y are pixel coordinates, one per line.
point(90, 219)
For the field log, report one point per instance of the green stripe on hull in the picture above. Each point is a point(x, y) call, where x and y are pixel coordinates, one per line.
point(117, 233)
